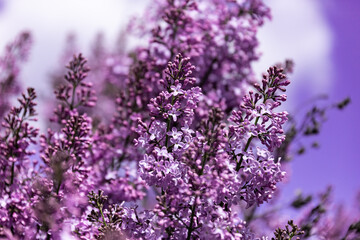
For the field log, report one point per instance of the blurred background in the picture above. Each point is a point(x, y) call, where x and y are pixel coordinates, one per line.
point(321, 36)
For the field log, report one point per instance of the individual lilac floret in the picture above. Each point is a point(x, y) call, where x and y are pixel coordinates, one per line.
point(176, 90)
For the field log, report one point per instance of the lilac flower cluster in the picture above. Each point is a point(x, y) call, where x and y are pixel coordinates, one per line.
point(76, 93)
point(15, 53)
point(16, 168)
point(178, 141)
point(219, 37)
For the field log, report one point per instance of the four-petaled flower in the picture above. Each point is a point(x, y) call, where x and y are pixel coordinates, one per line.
point(176, 90)
point(174, 113)
point(163, 152)
point(175, 134)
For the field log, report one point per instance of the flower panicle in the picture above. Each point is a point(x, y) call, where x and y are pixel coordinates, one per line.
point(76, 93)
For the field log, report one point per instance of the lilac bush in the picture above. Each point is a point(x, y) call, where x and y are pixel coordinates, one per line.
point(175, 139)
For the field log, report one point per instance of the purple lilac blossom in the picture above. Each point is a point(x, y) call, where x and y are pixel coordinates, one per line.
point(186, 149)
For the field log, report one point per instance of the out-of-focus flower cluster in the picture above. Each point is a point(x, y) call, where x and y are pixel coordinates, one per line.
point(177, 142)
point(15, 53)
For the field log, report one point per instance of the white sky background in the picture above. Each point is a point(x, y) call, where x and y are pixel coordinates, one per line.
point(298, 31)
point(50, 21)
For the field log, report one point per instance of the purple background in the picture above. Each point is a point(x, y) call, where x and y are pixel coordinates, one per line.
point(337, 162)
